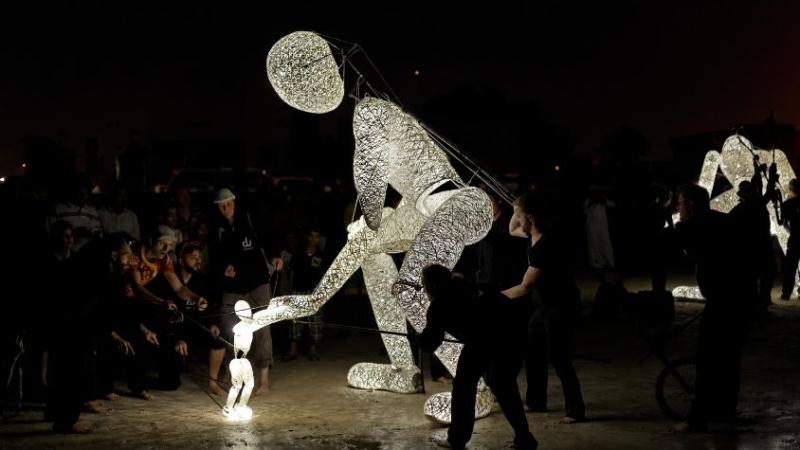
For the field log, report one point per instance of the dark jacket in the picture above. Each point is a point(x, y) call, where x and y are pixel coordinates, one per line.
point(475, 318)
point(239, 245)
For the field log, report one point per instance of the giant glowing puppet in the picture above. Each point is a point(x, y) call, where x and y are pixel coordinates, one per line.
point(735, 161)
point(437, 216)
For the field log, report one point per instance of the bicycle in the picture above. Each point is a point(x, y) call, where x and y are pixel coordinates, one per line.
point(674, 387)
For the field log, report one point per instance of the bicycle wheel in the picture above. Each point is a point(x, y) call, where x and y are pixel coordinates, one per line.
point(675, 387)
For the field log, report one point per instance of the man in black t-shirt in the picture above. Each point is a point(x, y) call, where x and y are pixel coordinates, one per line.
point(729, 283)
point(551, 325)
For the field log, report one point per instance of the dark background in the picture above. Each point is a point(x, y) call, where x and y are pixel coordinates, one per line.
point(518, 84)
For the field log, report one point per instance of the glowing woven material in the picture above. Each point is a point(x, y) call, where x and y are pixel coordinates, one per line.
point(304, 74)
point(393, 149)
point(437, 407)
point(241, 371)
point(688, 292)
point(736, 163)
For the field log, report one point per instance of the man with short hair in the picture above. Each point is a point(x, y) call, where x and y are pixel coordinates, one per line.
point(730, 286)
point(243, 272)
point(191, 277)
point(551, 329)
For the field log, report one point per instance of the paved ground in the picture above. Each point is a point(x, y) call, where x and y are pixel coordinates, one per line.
point(310, 405)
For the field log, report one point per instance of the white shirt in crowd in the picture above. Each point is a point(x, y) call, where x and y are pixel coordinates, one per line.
point(124, 222)
point(79, 217)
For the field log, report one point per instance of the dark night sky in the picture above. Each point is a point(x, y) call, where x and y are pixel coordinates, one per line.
point(670, 69)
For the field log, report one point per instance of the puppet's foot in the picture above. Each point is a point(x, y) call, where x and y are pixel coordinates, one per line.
point(385, 377)
point(437, 407)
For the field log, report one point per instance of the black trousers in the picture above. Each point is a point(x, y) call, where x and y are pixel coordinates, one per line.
point(110, 360)
point(501, 367)
point(551, 337)
point(790, 266)
point(68, 379)
point(167, 364)
point(721, 340)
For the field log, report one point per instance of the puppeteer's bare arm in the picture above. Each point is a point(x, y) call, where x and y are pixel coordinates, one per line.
point(515, 227)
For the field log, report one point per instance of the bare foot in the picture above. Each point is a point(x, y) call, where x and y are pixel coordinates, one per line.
point(215, 388)
point(75, 428)
point(112, 397)
point(144, 395)
point(80, 428)
point(443, 380)
point(262, 390)
point(680, 428)
point(567, 420)
point(97, 407)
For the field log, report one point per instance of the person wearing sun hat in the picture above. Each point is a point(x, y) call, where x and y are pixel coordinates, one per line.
point(242, 269)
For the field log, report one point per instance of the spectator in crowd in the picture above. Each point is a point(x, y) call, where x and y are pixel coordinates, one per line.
point(190, 258)
point(79, 213)
point(308, 266)
point(598, 236)
point(68, 340)
point(657, 223)
point(124, 337)
point(187, 214)
point(169, 222)
point(117, 218)
point(243, 271)
point(154, 260)
point(199, 236)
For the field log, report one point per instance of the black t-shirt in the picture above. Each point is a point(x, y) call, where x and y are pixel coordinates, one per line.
point(791, 214)
point(69, 300)
point(475, 317)
point(199, 284)
point(121, 313)
point(555, 285)
point(308, 270)
point(712, 240)
point(499, 256)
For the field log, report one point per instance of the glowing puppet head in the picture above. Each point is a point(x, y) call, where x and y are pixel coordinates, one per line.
point(304, 74)
point(242, 309)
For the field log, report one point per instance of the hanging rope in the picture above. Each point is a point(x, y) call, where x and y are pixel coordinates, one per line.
point(459, 155)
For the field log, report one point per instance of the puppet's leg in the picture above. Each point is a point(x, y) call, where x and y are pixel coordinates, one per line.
point(463, 219)
point(242, 410)
point(402, 375)
point(237, 380)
